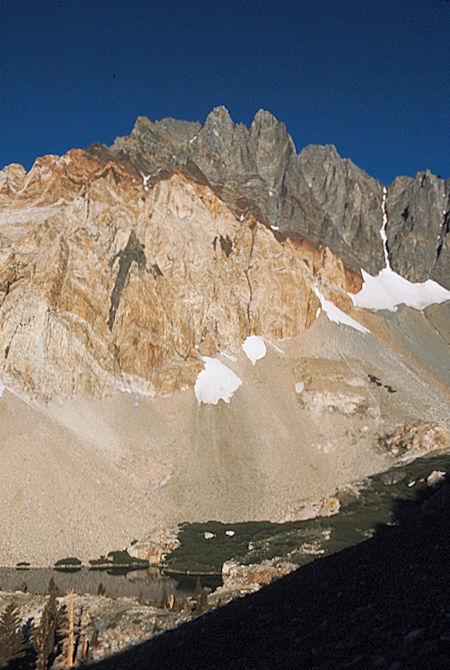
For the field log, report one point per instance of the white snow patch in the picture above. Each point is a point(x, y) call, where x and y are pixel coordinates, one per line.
point(216, 382)
point(192, 139)
point(215, 132)
point(388, 290)
point(229, 356)
point(299, 386)
point(208, 535)
point(254, 348)
point(2, 388)
point(383, 228)
point(337, 315)
point(275, 227)
point(230, 533)
point(241, 218)
point(162, 482)
point(411, 457)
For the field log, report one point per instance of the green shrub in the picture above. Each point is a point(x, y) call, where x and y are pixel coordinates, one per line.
point(23, 565)
point(71, 560)
point(124, 558)
point(96, 562)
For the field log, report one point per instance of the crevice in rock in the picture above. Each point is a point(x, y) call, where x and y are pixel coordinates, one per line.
point(88, 204)
point(247, 271)
point(156, 271)
point(134, 251)
point(117, 360)
point(445, 231)
point(60, 274)
point(225, 244)
point(175, 348)
point(8, 346)
point(6, 288)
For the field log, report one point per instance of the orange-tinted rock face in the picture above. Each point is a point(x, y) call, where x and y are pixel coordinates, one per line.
point(109, 282)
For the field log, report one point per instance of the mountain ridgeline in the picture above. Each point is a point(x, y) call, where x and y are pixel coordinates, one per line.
point(314, 195)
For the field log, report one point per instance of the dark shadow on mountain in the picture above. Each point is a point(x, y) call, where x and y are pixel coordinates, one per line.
point(380, 604)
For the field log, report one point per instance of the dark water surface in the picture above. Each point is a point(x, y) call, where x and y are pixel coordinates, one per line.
point(148, 582)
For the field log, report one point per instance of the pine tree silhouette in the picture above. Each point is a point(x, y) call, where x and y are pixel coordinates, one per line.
point(198, 588)
point(52, 588)
point(13, 645)
point(45, 639)
point(101, 591)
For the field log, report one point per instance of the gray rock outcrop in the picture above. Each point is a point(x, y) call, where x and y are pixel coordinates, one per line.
point(419, 223)
point(315, 195)
point(351, 203)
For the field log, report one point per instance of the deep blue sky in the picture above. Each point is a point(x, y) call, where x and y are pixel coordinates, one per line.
point(370, 76)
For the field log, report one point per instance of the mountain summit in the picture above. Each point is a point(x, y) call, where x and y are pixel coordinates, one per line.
point(315, 195)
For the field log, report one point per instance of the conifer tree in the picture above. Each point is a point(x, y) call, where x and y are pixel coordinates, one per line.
point(84, 653)
point(52, 588)
point(198, 589)
point(13, 645)
point(203, 604)
point(94, 638)
point(68, 632)
point(45, 639)
point(101, 591)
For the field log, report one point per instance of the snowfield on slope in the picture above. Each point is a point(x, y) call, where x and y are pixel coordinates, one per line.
point(388, 290)
point(216, 382)
point(337, 315)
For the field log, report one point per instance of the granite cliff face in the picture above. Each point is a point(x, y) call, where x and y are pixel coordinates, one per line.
point(108, 282)
point(128, 268)
point(419, 226)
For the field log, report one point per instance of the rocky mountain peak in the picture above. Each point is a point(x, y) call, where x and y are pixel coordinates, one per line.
point(217, 132)
point(265, 118)
point(218, 117)
point(180, 132)
point(315, 195)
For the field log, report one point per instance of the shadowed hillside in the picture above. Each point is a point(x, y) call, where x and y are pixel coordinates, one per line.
point(380, 604)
